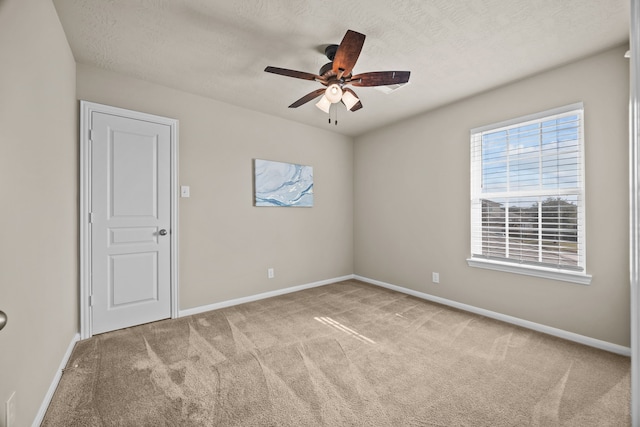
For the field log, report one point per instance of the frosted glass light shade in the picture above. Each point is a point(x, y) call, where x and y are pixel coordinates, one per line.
point(349, 100)
point(333, 93)
point(324, 104)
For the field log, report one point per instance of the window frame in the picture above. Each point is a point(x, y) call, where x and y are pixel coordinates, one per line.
point(530, 269)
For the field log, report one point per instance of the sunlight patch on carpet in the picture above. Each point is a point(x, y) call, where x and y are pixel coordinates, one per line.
point(342, 328)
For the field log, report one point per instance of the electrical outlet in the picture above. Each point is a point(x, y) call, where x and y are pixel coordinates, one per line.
point(435, 277)
point(271, 273)
point(10, 411)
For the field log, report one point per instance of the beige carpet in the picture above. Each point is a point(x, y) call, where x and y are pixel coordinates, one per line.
point(346, 354)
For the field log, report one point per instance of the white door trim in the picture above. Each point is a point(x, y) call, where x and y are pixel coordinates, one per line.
point(634, 203)
point(86, 108)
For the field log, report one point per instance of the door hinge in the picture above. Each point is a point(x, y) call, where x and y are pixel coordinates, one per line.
point(90, 300)
point(90, 217)
point(90, 134)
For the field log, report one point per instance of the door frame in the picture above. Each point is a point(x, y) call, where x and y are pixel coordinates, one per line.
point(634, 206)
point(86, 109)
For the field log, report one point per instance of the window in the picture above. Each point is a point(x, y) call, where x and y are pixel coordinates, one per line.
point(527, 195)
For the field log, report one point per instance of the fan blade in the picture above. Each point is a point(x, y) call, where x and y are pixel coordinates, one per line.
point(350, 98)
point(308, 97)
point(380, 78)
point(357, 106)
point(348, 53)
point(293, 73)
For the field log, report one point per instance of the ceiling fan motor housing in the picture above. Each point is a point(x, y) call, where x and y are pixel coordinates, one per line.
point(326, 67)
point(330, 52)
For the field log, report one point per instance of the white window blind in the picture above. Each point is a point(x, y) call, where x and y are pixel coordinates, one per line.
point(527, 191)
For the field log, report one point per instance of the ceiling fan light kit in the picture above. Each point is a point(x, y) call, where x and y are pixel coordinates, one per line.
point(324, 104)
point(333, 93)
point(349, 100)
point(337, 74)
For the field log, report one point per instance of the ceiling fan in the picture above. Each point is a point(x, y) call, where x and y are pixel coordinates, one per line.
point(337, 74)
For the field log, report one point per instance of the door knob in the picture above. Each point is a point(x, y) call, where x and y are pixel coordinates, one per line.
point(3, 319)
point(163, 232)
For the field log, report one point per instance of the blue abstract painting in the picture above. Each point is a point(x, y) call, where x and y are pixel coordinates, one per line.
point(282, 184)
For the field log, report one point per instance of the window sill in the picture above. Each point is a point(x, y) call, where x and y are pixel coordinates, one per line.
point(546, 273)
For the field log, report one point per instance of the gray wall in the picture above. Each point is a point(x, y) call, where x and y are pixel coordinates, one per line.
point(412, 202)
point(39, 191)
point(227, 244)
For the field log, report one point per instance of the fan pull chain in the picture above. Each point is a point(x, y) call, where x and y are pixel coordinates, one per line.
point(334, 108)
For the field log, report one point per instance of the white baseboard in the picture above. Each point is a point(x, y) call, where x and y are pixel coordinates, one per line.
point(237, 301)
point(560, 333)
point(54, 384)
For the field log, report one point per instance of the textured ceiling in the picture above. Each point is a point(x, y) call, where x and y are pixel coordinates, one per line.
point(453, 48)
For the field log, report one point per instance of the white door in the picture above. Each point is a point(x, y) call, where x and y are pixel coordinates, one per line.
point(130, 221)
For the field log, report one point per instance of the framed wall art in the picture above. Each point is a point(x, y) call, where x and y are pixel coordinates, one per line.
point(282, 184)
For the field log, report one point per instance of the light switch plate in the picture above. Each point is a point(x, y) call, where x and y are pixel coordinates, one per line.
point(184, 191)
